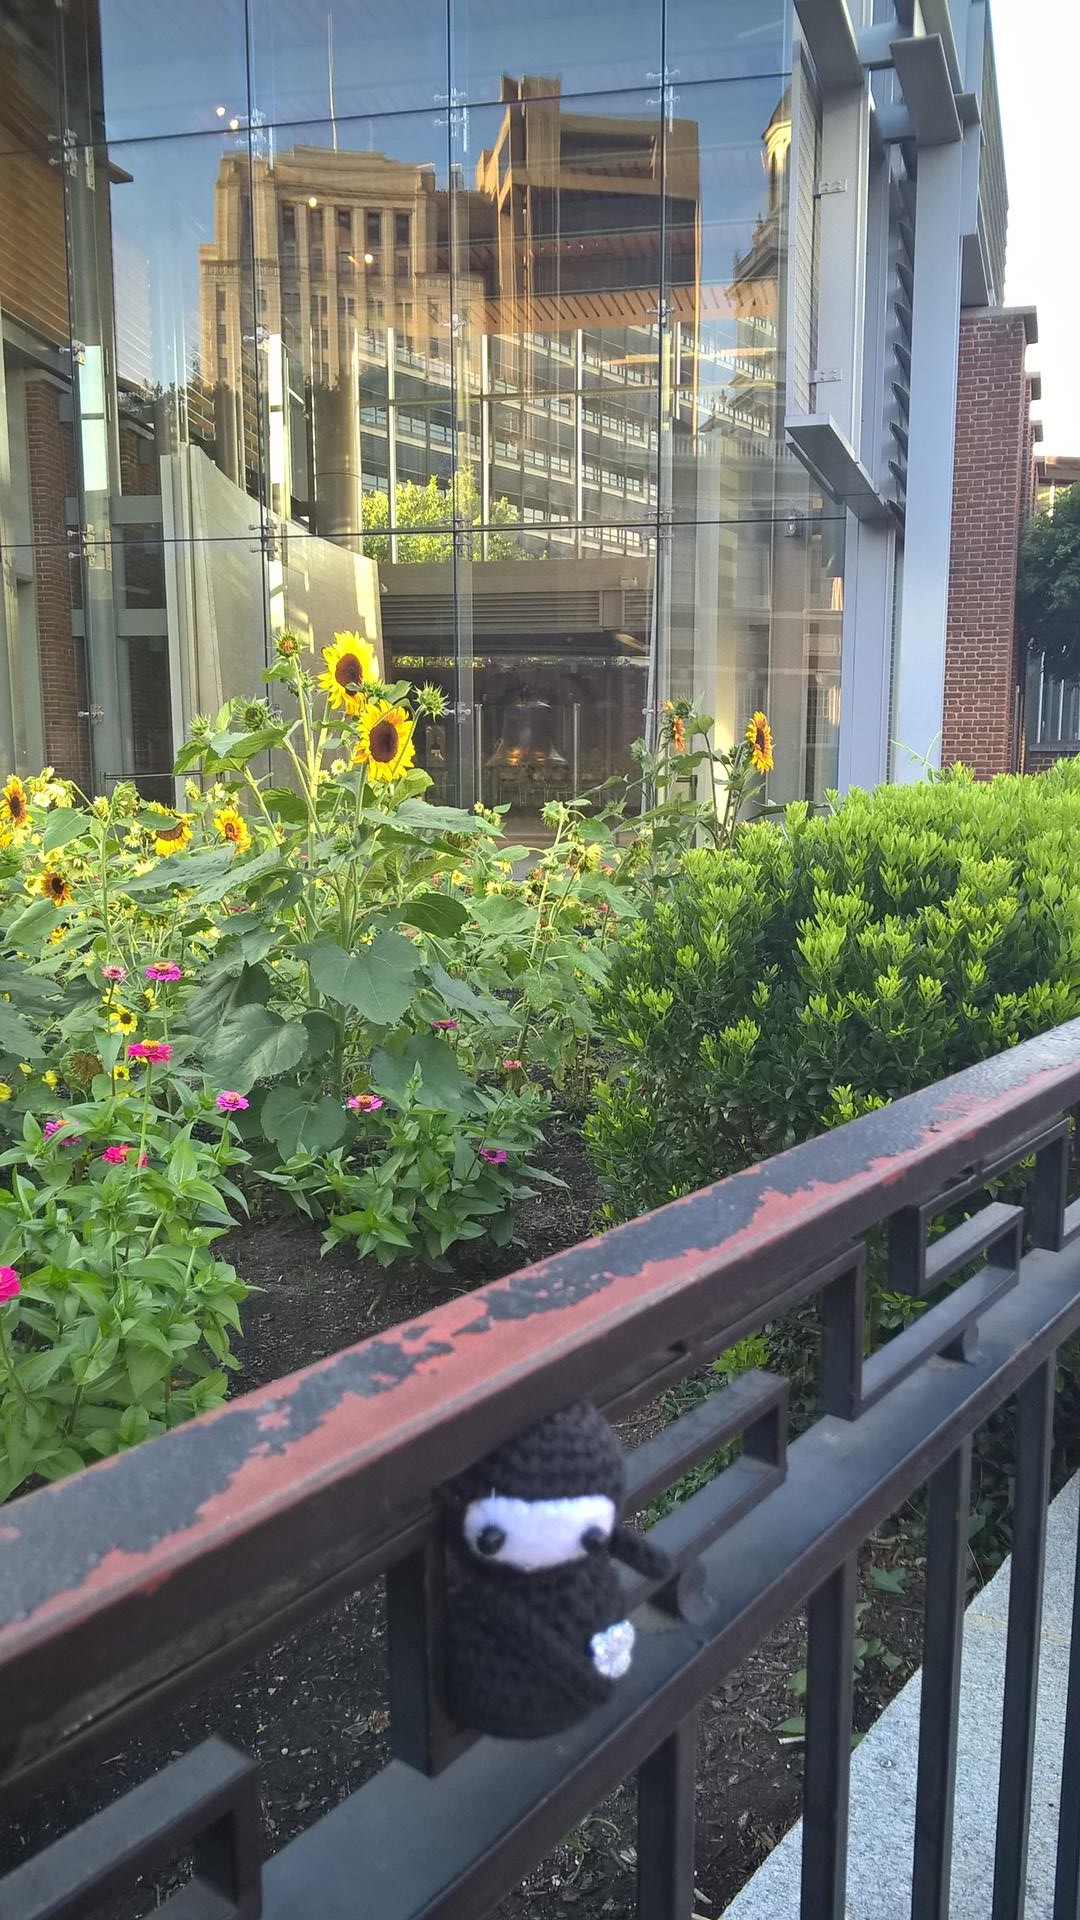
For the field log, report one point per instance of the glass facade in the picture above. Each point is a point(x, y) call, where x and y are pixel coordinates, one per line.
point(463, 325)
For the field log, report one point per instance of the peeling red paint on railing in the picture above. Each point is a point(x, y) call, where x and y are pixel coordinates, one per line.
point(342, 1448)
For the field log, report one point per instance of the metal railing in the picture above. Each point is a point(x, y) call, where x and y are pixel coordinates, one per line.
point(128, 1586)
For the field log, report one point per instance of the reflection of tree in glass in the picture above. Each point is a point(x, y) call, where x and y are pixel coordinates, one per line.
point(433, 510)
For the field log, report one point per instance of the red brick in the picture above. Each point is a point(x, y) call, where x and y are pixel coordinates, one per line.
point(993, 494)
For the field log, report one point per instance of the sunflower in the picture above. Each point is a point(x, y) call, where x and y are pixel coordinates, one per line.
point(14, 805)
point(173, 834)
point(760, 742)
point(122, 1020)
point(234, 828)
point(55, 886)
point(351, 665)
point(384, 742)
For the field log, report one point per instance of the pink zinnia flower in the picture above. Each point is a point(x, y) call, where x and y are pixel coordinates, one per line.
point(168, 970)
point(9, 1283)
point(444, 1026)
point(364, 1103)
point(512, 1066)
point(229, 1102)
point(116, 1156)
point(114, 975)
point(495, 1156)
point(156, 1053)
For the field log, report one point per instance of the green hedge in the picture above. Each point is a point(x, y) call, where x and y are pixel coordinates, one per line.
point(829, 964)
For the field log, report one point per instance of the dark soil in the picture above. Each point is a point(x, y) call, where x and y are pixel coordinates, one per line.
point(313, 1711)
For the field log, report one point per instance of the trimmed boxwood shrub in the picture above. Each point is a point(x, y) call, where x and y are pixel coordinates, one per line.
point(827, 964)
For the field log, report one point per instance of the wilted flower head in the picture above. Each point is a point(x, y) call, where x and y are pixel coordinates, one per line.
point(444, 1026)
point(512, 1066)
point(229, 1102)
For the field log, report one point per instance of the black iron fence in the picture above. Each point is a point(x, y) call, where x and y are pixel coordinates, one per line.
point(130, 1585)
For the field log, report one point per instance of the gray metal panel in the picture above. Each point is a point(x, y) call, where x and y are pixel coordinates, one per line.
point(830, 38)
point(924, 76)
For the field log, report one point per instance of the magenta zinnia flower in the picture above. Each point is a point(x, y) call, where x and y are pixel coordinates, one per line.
point(56, 1126)
point(495, 1156)
point(168, 970)
point(116, 1156)
point(114, 975)
point(9, 1283)
point(364, 1103)
point(230, 1102)
point(156, 1053)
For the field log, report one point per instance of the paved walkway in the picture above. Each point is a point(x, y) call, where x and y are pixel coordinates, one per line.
point(883, 1768)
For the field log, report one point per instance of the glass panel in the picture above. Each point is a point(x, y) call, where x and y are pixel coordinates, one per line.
point(558, 47)
point(355, 330)
point(175, 281)
point(140, 68)
point(557, 645)
point(725, 262)
point(324, 59)
point(721, 39)
point(558, 247)
point(751, 614)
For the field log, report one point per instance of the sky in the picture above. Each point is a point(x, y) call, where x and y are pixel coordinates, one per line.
point(1037, 48)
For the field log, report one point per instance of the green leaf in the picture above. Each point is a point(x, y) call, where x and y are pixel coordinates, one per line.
point(436, 913)
point(223, 994)
point(16, 1036)
point(428, 819)
point(180, 870)
point(254, 1044)
point(295, 1117)
point(887, 1579)
point(236, 874)
point(289, 806)
point(377, 981)
point(65, 824)
point(321, 1032)
point(33, 924)
point(440, 1074)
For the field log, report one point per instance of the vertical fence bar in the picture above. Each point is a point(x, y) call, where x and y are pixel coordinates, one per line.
point(843, 1313)
point(943, 1634)
point(665, 1827)
point(1034, 1427)
point(830, 1693)
point(1067, 1879)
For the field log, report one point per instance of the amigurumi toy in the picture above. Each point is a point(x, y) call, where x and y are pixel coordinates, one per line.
point(535, 1636)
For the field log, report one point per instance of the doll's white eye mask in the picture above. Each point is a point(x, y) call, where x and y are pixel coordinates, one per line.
point(532, 1534)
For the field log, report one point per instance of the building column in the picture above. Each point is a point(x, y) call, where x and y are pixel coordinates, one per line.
point(865, 660)
point(920, 654)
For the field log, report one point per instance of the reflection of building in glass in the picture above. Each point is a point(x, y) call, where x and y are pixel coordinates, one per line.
point(583, 389)
point(511, 327)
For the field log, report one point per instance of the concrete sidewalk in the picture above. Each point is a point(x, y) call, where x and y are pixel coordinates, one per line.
point(883, 1768)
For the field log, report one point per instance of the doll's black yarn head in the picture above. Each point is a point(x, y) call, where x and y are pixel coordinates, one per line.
point(547, 1498)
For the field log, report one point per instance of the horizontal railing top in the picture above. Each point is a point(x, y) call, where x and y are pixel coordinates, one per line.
point(208, 1542)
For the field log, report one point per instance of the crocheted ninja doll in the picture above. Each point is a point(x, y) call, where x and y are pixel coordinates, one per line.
point(535, 1636)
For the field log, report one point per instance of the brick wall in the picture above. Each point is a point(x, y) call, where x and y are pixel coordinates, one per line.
point(993, 493)
point(50, 464)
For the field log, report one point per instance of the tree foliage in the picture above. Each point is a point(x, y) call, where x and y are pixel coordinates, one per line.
point(1048, 585)
point(434, 510)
